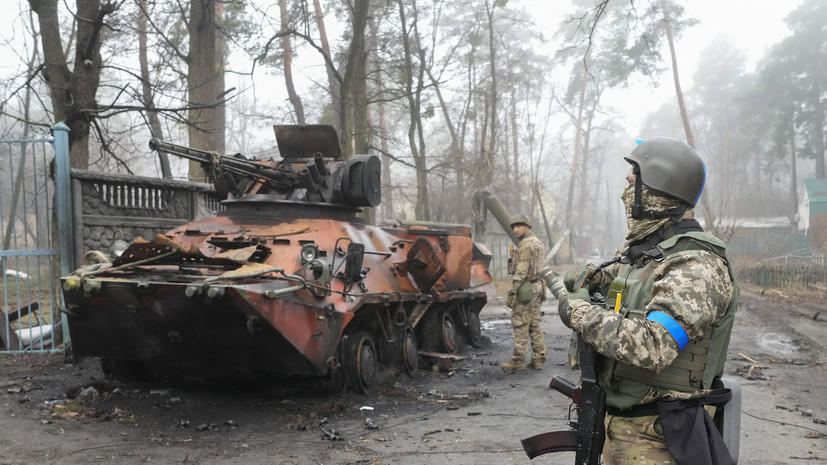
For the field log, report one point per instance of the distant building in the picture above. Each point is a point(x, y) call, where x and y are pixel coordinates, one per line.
point(764, 236)
point(812, 213)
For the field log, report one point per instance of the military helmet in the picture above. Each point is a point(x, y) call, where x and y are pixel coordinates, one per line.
point(670, 166)
point(520, 219)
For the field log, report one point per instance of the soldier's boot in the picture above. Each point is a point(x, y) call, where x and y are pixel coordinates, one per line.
point(513, 365)
point(537, 363)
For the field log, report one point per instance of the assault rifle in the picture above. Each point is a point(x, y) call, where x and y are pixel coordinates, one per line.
point(587, 432)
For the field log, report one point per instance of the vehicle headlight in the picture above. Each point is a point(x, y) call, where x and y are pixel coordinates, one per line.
point(118, 247)
point(309, 252)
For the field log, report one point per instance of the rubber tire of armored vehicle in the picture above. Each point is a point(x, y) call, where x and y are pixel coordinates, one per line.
point(360, 361)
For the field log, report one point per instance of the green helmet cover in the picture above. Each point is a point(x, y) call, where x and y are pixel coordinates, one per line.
point(670, 166)
point(520, 219)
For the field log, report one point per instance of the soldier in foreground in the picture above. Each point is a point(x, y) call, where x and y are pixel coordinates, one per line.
point(525, 296)
point(663, 332)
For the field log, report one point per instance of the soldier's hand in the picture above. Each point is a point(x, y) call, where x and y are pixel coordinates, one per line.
point(570, 301)
point(509, 300)
point(578, 278)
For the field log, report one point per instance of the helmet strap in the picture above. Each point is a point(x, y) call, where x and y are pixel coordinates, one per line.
point(638, 212)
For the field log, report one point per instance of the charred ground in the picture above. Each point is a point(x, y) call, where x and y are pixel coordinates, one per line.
point(62, 413)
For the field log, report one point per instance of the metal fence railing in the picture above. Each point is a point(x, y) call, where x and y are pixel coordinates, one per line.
point(789, 271)
point(29, 259)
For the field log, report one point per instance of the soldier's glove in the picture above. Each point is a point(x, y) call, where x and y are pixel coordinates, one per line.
point(509, 299)
point(578, 278)
point(570, 301)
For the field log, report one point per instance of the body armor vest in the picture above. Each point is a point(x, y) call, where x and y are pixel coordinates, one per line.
point(699, 362)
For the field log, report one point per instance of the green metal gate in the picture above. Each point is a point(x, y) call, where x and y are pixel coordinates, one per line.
point(34, 248)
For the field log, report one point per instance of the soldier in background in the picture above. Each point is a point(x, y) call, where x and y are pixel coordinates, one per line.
point(525, 296)
point(663, 331)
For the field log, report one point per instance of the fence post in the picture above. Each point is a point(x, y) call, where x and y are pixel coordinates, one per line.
point(63, 203)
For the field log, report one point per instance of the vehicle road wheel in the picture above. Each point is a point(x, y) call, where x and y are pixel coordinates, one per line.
point(410, 351)
point(473, 330)
point(361, 362)
point(448, 331)
point(438, 331)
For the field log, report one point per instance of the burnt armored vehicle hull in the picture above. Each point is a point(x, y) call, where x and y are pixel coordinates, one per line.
point(286, 280)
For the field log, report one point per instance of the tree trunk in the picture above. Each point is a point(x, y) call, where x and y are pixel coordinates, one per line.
point(455, 152)
point(332, 82)
point(353, 133)
point(387, 180)
point(219, 83)
point(21, 175)
point(387, 207)
point(287, 60)
point(413, 92)
point(146, 90)
point(203, 118)
point(794, 172)
point(687, 128)
point(575, 160)
point(515, 147)
point(584, 198)
point(709, 216)
point(492, 56)
point(73, 91)
point(486, 165)
point(819, 132)
point(359, 86)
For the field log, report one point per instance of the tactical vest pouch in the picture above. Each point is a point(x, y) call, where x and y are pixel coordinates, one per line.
point(625, 294)
point(525, 293)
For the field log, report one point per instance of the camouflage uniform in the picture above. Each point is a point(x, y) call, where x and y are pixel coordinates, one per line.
point(526, 317)
point(692, 286)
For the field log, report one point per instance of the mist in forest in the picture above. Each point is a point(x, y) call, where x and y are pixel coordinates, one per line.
point(537, 102)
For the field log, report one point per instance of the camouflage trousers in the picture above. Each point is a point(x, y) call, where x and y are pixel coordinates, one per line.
point(526, 319)
point(638, 441)
point(635, 440)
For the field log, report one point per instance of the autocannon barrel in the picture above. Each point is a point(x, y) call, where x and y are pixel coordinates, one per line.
point(217, 163)
point(181, 151)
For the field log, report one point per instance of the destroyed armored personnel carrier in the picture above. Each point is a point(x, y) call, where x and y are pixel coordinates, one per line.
point(286, 280)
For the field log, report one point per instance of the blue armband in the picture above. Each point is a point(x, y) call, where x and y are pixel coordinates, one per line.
point(673, 327)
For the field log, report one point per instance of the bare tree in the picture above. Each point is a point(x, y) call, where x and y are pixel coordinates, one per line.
point(354, 104)
point(203, 83)
point(287, 62)
point(73, 90)
point(489, 147)
point(146, 88)
point(414, 61)
point(381, 131)
point(332, 81)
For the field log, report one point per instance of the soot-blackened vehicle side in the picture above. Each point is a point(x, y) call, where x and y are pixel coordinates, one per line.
point(286, 280)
